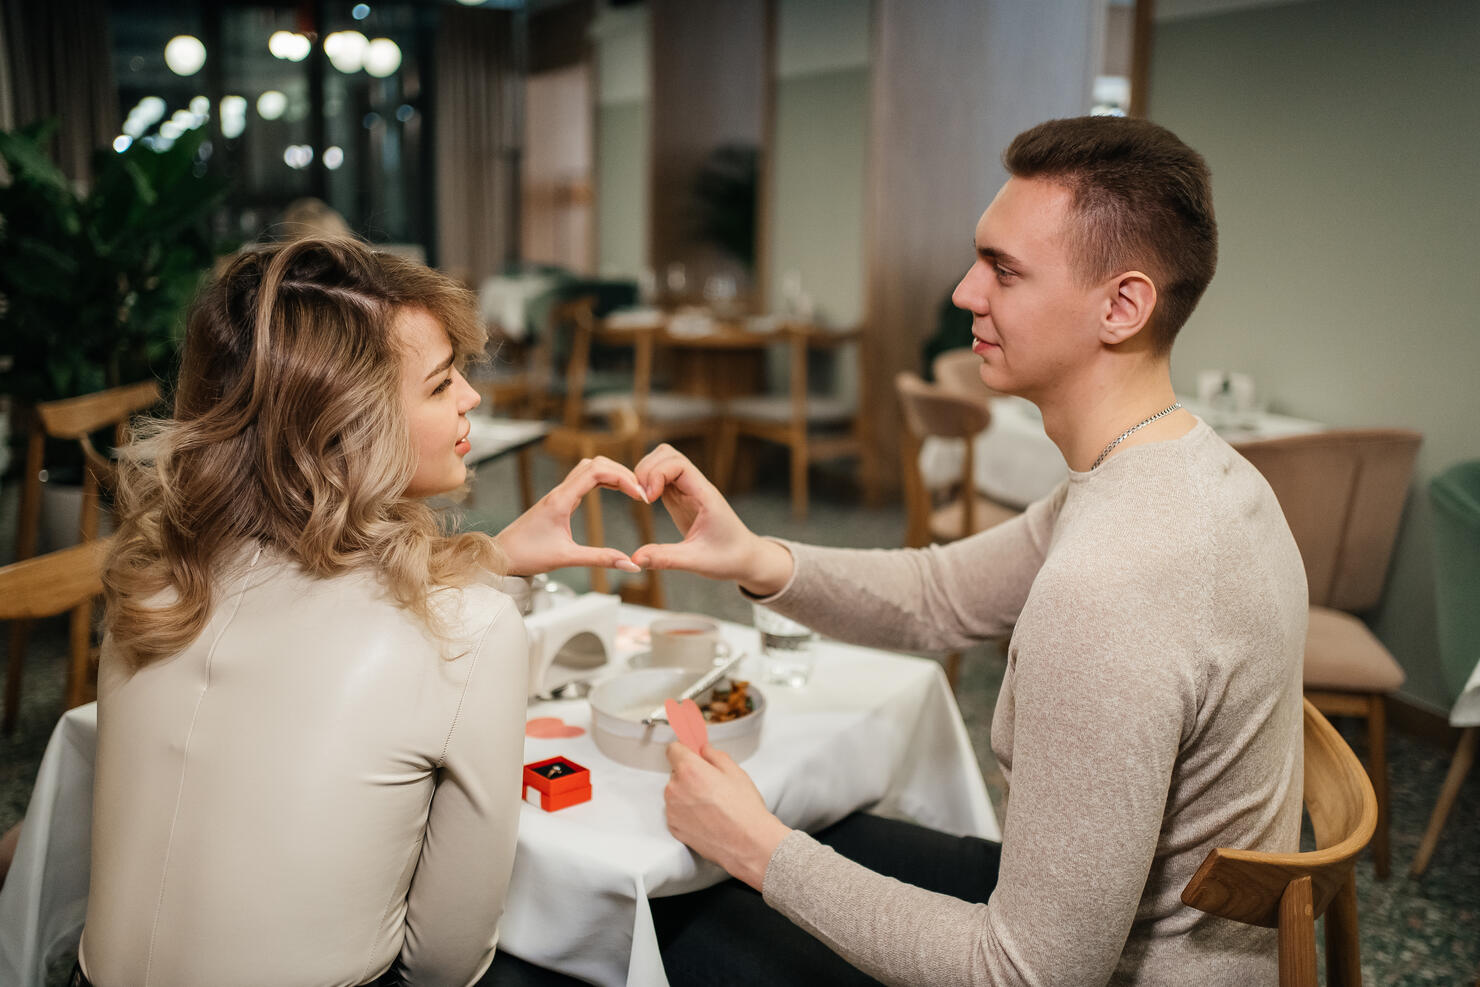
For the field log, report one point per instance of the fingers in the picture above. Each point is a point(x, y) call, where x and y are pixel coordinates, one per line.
point(680, 555)
point(589, 474)
point(678, 755)
point(606, 558)
point(666, 466)
point(718, 758)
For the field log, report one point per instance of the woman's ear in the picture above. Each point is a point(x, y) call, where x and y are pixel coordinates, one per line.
point(1129, 303)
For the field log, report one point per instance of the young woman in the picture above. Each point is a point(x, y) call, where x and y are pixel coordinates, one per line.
point(310, 697)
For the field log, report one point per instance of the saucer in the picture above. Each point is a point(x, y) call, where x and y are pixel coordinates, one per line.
point(644, 659)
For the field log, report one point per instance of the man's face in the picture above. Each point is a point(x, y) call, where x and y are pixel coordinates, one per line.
point(1034, 323)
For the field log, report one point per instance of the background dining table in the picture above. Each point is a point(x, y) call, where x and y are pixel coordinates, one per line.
point(871, 730)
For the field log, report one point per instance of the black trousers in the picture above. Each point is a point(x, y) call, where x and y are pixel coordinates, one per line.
point(728, 935)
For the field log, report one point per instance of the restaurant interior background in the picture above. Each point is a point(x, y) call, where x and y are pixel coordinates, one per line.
point(1344, 137)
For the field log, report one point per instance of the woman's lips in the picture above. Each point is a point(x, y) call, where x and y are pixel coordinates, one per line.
point(981, 346)
point(463, 446)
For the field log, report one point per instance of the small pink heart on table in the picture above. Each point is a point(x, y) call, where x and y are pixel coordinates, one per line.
point(550, 728)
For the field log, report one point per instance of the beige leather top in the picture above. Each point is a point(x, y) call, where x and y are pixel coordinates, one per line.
point(308, 790)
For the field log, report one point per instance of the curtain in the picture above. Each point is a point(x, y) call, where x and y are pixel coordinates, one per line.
point(478, 124)
point(58, 62)
point(953, 82)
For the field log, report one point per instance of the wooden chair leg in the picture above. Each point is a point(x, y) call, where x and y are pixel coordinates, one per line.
point(650, 591)
point(27, 532)
point(799, 477)
point(1298, 935)
point(1343, 944)
point(525, 463)
point(596, 535)
point(1459, 767)
point(1377, 768)
point(87, 524)
point(724, 456)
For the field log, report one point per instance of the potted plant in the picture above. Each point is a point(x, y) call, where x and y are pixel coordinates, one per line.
point(94, 283)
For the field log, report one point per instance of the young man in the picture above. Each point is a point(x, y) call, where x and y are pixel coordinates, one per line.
point(1157, 606)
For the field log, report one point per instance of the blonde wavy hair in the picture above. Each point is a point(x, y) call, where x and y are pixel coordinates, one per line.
point(289, 433)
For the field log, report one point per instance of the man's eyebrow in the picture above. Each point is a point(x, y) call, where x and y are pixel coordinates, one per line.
point(997, 254)
point(440, 368)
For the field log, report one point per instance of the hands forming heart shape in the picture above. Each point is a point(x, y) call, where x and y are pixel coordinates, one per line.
point(716, 543)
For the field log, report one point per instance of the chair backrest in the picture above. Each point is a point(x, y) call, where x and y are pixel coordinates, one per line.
point(1455, 495)
point(1257, 888)
point(77, 418)
point(1342, 492)
point(572, 324)
point(53, 583)
point(960, 371)
point(933, 410)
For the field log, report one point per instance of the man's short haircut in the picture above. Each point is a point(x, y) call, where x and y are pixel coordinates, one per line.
point(1144, 201)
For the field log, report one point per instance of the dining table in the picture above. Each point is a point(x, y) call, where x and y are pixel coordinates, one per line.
point(720, 357)
point(1016, 462)
point(493, 437)
point(871, 730)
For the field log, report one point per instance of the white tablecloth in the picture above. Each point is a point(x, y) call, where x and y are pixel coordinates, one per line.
point(44, 899)
point(491, 437)
point(1016, 462)
point(871, 729)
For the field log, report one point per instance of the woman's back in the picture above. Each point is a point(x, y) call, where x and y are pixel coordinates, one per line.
point(265, 798)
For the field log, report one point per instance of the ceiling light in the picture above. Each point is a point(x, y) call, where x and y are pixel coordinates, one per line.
point(184, 54)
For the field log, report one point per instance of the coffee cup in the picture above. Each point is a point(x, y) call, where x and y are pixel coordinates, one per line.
point(686, 641)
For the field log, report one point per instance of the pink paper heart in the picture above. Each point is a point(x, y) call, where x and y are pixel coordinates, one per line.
point(687, 723)
point(551, 728)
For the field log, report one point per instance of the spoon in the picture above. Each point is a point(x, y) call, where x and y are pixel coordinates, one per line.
point(660, 713)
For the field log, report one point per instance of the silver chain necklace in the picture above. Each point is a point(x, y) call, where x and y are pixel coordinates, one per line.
point(1126, 434)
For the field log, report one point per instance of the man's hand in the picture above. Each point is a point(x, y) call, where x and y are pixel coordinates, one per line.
point(716, 543)
point(540, 539)
point(715, 809)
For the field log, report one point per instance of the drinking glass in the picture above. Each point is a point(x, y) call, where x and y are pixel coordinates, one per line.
point(787, 648)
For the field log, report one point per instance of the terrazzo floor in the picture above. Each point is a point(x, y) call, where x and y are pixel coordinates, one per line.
point(1414, 932)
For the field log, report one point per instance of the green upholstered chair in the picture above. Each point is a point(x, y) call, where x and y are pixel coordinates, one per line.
point(1455, 496)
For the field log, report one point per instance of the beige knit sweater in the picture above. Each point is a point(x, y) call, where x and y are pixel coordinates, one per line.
point(1150, 712)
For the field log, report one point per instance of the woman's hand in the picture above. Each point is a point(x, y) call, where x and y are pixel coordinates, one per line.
point(716, 543)
point(540, 540)
point(715, 809)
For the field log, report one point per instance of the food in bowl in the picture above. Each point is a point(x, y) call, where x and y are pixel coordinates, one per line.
point(727, 702)
point(618, 705)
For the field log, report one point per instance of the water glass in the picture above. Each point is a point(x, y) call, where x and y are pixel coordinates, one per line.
point(787, 648)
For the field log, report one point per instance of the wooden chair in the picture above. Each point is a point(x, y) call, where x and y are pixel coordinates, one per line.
point(77, 419)
point(622, 443)
point(1289, 891)
point(70, 419)
point(1342, 492)
point(46, 586)
point(931, 410)
point(662, 416)
point(795, 419)
point(1455, 498)
point(960, 371)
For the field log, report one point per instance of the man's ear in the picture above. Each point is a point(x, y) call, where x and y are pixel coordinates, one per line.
point(1129, 302)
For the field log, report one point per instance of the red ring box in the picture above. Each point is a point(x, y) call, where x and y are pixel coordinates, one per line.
point(559, 782)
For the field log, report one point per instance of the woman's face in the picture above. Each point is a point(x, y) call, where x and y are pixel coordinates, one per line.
point(437, 400)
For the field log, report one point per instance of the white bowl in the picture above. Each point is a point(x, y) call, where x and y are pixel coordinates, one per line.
point(618, 705)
